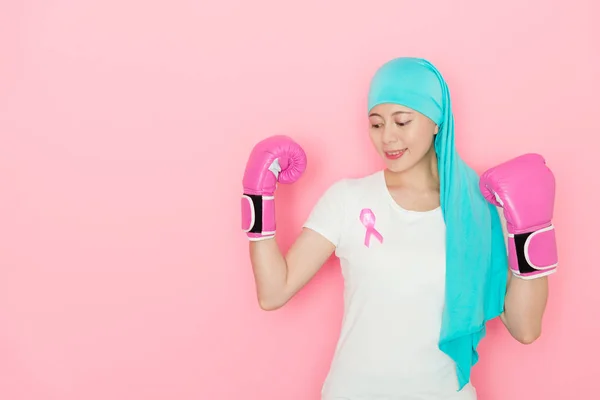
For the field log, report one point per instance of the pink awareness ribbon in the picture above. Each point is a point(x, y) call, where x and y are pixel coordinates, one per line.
point(367, 217)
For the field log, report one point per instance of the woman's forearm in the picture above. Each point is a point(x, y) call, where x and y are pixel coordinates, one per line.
point(270, 271)
point(524, 307)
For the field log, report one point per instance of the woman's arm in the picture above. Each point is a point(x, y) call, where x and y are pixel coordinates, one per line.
point(524, 188)
point(278, 278)
point(524, 303)
point(524, 307)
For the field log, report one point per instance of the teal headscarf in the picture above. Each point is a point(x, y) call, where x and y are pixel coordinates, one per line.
point(476, 260)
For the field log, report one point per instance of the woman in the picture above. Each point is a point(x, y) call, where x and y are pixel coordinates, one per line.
point(421, 245)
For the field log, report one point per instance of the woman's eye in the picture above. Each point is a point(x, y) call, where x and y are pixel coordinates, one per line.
point(402, 123)
point(375, 126)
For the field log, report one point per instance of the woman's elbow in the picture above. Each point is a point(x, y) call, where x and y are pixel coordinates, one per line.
point(270, 304)
point(528, 336)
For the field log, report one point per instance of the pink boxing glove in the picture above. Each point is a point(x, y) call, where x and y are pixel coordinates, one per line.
point(275, 159)
point(524, 187)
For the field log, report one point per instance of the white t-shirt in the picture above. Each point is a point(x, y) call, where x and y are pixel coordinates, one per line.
point(393, 296)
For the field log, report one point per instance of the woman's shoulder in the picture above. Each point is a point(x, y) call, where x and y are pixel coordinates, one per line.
point(345, 189)
point(359, 183)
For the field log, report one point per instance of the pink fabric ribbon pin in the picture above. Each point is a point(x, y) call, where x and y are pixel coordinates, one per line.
point(367, 217)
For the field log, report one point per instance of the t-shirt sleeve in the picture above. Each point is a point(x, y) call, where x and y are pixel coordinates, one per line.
point(327, 216)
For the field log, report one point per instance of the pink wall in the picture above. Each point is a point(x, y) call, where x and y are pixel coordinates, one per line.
point(124, 131)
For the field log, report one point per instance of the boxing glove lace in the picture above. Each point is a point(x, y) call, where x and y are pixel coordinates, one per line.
point(524, 188)
point(276, 159)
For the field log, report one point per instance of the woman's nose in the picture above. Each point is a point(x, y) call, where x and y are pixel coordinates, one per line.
point(389, 134)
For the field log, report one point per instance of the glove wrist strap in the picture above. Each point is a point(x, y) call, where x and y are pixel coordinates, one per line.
point(258, 216)
point(533, 254)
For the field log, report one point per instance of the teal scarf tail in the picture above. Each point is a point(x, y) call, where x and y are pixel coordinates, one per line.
point(476, 258)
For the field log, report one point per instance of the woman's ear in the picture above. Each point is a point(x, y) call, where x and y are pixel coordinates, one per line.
point(437, 129)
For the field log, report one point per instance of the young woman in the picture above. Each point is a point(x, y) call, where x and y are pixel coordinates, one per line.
point(421, 245)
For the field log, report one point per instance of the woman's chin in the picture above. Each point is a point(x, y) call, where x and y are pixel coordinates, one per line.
point(395, 165)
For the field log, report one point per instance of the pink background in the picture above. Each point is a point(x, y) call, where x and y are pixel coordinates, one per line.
point(124, 131)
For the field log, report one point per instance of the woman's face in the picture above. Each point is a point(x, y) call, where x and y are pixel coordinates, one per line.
point(401, 136)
